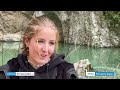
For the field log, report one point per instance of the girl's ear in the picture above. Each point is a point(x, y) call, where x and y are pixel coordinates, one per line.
point(27, 42)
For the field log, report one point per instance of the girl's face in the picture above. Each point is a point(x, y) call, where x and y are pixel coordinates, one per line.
point(41, 46)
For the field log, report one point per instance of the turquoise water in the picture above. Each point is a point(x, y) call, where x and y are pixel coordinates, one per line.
point(98, 57)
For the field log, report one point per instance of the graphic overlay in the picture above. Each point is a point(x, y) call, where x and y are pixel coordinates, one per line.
point(20, 74)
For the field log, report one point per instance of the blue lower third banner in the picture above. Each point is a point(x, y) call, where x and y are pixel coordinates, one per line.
point(99, 73)
point(19, 73)
point(10, 73)
point(104, 73)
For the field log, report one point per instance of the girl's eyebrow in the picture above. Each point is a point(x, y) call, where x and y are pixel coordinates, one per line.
point(40, 39)
point(52, 40)
point(44, 39)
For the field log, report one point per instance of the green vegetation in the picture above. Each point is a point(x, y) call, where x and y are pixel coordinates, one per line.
point(113, 20)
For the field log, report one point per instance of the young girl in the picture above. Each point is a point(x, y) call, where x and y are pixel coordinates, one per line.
point(40, 43)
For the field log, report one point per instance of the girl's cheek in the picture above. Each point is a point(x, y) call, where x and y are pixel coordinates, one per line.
point(52, 49)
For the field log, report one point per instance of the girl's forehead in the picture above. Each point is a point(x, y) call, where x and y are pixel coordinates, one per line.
point(46, 33)
point(46, 30)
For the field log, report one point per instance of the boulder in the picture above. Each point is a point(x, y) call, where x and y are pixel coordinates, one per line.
point(82, 66)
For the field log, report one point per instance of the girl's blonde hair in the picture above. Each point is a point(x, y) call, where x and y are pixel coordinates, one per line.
point(37, 23)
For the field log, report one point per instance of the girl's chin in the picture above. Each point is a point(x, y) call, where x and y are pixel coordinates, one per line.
point(43, 61)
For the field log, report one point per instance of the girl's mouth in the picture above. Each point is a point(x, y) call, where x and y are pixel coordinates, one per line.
point(43, 55)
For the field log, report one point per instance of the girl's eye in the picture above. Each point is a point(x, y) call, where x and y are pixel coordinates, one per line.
point(40, 41)
point(52, 43)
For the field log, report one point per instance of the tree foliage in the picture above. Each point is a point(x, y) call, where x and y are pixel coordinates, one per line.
point(113, 20)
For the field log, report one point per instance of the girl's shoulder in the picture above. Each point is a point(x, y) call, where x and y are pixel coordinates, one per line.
point(6, 67)
point(68, 70)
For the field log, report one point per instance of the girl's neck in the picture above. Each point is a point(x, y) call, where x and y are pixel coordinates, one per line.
point(36, 66)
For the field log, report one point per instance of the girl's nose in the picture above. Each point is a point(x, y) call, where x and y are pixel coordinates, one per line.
point(45, 48)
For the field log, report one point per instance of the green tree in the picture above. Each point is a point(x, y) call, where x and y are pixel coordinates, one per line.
point(113, 20)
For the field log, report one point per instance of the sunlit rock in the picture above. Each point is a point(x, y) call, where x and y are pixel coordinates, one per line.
point(82, 66)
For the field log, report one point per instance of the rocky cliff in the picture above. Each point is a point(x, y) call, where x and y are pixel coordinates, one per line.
point(76, 27)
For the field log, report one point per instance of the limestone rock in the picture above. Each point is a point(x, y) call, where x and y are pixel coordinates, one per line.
point(11, 37)
point(82, 66)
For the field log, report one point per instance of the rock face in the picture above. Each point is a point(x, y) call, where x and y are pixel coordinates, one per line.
point(87, 28)
point(12, 23)
point(76, 27)
point(11, 37)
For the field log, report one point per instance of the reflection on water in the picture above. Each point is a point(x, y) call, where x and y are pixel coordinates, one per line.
point(99, 57)
point(8, 50)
